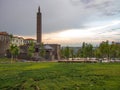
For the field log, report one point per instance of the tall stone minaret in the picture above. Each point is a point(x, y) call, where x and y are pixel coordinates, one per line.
point(39, 26)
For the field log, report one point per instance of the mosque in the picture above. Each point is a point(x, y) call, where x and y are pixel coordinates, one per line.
point(52, 51)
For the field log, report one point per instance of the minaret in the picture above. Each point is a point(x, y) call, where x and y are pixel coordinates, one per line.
point(39, 26)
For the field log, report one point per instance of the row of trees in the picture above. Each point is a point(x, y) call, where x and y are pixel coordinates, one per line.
point(104, 50)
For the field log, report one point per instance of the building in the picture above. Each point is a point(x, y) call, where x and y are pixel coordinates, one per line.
point(17, 40)
point(4, 43)
point(29, 40)
point(55, 51)
point(39, 26)
point(52, 50)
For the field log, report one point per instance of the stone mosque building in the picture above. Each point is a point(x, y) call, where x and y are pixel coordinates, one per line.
point(52, 50)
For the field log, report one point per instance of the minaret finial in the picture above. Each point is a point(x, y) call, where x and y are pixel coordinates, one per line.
point(39, 9)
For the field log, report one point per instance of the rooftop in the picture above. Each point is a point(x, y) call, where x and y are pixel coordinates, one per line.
point(4, 33)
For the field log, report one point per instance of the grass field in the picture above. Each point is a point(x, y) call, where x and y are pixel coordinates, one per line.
point(59, 76)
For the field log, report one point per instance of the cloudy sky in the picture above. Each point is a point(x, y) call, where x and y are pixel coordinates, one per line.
point(67, 22)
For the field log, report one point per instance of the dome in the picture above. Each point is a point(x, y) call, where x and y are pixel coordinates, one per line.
point(48, 47)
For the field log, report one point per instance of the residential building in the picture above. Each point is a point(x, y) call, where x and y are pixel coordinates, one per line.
point(29, 40)
point(16, 40)
point(4, 43)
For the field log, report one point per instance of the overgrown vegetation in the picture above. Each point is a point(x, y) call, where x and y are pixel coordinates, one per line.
point(59, 76)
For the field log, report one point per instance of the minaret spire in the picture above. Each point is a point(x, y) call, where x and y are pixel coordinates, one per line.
point(39, 9)
point(39, 26)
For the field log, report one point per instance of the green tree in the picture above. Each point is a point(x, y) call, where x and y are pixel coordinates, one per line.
point(62, 53)
point(42, 50)
point(113, 50)
point(11, 37)
point(82, 52)
point(86, 50)
point(78, 54)
point(97, 53)
point(72, 53)
point(118, 51)
point(67, 52)
point(89, 50)
point(105, 49)
point(31, 49)
point(14, 50)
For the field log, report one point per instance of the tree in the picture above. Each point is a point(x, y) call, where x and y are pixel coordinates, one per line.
point(42, 50)
point(67, 52)
point(72, 53)
point(31, 49)
point(105, 49)
point(62, 53)
point(14, 50)
point(11, 37)
point(86, 50)
point(78, 54)
point(113, 50)
point(82, 52)
point(89, 50)
point(97, 53)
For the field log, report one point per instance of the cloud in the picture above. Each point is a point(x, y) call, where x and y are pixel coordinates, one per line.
point(80, 16)
point(69, 16)
point(106, 7)
point(92, 35)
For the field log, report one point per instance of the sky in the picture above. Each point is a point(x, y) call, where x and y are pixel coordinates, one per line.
point(65, 22)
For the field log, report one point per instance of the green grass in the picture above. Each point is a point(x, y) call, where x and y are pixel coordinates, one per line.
point(59, 76)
